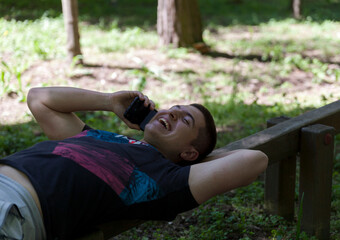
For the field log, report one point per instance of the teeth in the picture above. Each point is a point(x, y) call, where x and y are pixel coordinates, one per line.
point(164, 122)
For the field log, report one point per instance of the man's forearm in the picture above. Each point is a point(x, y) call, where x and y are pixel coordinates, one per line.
point(66, 99)
point(53, 109)
point(226, 173)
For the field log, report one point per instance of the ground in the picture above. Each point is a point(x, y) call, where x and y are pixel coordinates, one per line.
point(113, 72)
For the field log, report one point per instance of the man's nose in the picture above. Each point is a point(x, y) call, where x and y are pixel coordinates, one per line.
point(175, 114)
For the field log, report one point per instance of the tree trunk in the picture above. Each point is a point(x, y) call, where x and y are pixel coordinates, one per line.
point(179, 22)
point(70, 11)
point(296, 5)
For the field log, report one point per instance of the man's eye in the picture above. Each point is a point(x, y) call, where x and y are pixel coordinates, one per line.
point(186, 121)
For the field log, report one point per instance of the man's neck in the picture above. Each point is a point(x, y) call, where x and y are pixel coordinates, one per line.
point(164, 153)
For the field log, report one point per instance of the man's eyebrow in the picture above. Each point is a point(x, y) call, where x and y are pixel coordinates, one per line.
point(188, 113)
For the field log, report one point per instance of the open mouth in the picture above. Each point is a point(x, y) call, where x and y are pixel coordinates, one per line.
point(165, 123)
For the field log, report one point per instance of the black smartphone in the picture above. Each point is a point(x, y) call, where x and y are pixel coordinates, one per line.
point(139, 114)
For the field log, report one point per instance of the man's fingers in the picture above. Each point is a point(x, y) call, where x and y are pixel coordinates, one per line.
point(147, 102)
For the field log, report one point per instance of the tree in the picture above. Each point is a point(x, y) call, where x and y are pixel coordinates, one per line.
point(179, 23)
point(296, 5)
point(70, 11)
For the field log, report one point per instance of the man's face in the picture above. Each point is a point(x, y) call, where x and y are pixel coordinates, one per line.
point(174, 129)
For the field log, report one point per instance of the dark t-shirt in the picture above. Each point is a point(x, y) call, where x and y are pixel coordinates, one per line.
point(98, 176)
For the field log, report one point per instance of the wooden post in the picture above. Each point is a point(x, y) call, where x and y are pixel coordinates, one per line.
point(316, 164)
point(70, 11)
point(280, 183)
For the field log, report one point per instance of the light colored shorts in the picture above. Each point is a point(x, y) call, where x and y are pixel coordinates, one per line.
point(19, 215)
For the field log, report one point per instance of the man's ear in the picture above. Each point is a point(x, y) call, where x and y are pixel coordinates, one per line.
point(190, 154)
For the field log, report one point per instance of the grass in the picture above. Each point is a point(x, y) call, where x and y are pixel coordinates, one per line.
point(260, 53)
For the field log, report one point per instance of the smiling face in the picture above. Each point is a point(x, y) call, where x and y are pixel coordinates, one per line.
point(172, 131)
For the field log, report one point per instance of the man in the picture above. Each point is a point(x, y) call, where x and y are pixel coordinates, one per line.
point(84, 177)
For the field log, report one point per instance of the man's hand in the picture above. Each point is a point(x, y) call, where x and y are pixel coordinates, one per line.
point(121, 100)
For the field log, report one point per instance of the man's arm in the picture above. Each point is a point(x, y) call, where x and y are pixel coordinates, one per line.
point(54, 107)
point(225, 173)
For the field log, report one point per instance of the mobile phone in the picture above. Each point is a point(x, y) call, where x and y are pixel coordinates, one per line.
point(139, 114)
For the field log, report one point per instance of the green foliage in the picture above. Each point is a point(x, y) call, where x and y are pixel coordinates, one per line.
point(40, 39)
point(14, 138)
point(176, 52)
point(116, 39)
point(103, 12)
point(8, 73)
point(22, 43)
point(249, 12)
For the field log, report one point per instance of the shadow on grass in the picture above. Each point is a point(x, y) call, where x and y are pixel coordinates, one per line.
point(262, 58)
point(20, 136)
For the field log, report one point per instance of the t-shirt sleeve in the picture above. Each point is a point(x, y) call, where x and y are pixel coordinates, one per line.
point(86, 127)
point(179, 200)
point(166, 208)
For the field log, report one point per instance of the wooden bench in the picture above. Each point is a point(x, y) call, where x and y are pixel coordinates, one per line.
point(311, 136)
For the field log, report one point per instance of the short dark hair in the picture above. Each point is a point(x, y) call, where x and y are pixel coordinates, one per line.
point(206, 140)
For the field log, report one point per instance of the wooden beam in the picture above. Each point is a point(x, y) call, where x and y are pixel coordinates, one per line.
point(282, 140)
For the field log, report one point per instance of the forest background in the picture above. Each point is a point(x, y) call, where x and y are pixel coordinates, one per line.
point(265, 64)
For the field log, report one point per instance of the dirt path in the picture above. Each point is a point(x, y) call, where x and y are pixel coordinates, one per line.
point(112, 72)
